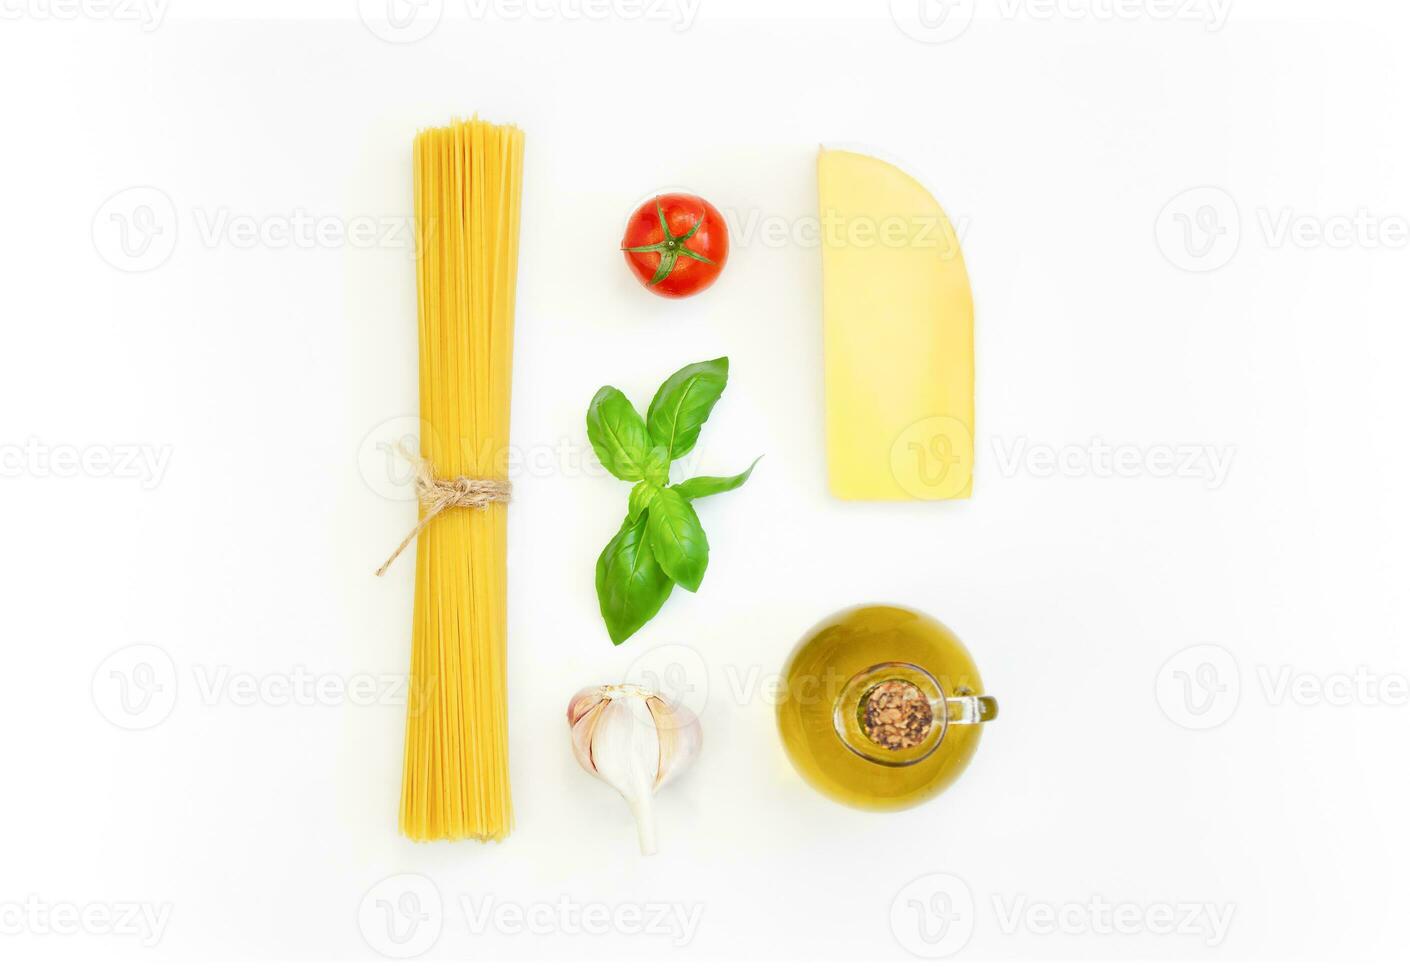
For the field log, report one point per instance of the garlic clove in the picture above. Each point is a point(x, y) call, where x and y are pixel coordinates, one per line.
point(583, 702)
point(626, 753)
point(680, 735)
point(583, 712)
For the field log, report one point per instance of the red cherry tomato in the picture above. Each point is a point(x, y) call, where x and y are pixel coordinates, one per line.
point(676, 244)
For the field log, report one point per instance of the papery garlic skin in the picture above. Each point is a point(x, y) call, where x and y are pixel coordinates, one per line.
point(636, 741)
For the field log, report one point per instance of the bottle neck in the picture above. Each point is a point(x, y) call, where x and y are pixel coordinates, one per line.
point(892, 714)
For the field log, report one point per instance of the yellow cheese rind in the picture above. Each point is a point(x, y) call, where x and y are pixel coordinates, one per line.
point(898, 336)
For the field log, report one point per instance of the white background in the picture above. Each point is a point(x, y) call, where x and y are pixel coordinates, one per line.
point(264, 373)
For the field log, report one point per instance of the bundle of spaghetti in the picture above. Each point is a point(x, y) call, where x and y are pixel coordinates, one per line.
point(455, 778)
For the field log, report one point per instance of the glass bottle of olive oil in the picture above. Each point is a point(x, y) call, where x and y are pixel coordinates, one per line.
point(881, 707)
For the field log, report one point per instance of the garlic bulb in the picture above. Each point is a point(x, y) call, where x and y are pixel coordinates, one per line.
point(634, 740)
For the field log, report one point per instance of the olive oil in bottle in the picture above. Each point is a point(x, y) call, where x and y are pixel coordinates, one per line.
point(882, 707)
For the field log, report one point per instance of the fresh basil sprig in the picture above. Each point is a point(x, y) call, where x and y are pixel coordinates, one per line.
point(661, 543)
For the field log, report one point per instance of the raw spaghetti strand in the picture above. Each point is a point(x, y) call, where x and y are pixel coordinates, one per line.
point(455, 782)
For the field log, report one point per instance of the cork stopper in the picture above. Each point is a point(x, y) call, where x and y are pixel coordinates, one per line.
point(896, 715)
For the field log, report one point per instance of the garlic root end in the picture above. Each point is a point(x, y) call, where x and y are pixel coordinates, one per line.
point(645, 815)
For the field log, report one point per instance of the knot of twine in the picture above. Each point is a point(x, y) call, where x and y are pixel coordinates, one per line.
point(438, 495)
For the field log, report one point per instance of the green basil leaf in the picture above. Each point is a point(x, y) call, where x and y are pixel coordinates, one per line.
point(706, 486)
point(618, 434)
point(640, 499)
point(683, 403)
point(631, 586)
point(658, 466)
point(677, 539)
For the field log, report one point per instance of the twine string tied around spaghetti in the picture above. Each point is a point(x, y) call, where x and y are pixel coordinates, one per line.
point(438, 495)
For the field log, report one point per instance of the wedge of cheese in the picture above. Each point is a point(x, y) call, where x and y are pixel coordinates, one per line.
point(898, 324)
